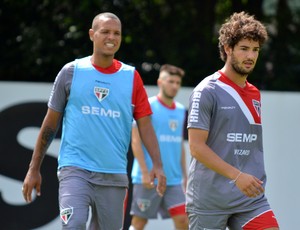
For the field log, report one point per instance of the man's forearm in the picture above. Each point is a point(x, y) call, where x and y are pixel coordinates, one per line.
point(149, 140)
point(45, 138)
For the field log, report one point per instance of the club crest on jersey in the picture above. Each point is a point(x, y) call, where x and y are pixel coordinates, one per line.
point(65, 214)
point(256, 105)
point(173, 124)
point(101, 93)
point(143, 204)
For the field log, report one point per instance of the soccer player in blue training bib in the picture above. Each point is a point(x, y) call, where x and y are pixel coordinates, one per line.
point(168, 120)
point(97, 97)
point(227, 178)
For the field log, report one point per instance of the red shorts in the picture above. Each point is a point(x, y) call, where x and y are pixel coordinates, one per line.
point(177, 210)
point(262, 221)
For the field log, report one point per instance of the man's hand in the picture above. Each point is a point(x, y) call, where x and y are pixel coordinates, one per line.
point(146, 180)
point(161, 180)
point(249, 185)
point(33, 180)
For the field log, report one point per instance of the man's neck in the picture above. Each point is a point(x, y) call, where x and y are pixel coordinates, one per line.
point(238, 79)
point(167, 101)
point(102, 61)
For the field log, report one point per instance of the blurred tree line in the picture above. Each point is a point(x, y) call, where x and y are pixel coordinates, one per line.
point(39, 37)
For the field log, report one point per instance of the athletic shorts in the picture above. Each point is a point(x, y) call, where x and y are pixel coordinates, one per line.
point(258, 219)
point(146, 203)
point(78, 197)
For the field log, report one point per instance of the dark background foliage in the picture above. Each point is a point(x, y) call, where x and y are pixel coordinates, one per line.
point(39, 37)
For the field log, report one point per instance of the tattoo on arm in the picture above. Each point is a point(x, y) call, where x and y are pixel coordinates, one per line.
point(47, 137)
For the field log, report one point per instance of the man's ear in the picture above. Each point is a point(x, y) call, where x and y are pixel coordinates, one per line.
point(91, 34)
point(227, 49)
point(158, 82)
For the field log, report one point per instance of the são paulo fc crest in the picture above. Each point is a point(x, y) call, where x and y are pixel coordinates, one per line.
point(143, 204)
point(65, 214)
point(256, 105)
point(173, 124)
point(101, 93)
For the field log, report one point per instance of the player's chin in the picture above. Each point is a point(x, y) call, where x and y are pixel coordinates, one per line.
point(248, 70)
point(109, 53)
point(172, 95)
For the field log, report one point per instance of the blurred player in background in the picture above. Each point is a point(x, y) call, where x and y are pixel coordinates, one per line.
point(168, 120)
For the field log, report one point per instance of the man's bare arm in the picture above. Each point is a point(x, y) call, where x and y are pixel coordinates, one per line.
point(46, 135)
point(149, 140)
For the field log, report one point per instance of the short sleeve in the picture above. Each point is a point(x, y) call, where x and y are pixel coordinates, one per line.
point(140, 98)
point(200, 109)
point(61, 88)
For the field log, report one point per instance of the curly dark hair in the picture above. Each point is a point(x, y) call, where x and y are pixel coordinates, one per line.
point(240, 26)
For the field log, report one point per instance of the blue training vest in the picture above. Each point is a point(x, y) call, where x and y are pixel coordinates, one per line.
point(168, 125)
point(97, 119)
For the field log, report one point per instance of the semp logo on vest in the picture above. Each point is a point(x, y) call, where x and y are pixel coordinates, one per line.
point(101, 93)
